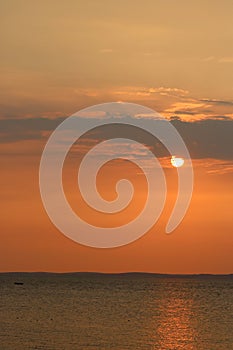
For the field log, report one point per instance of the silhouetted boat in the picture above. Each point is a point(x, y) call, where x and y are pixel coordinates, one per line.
point(19, 283)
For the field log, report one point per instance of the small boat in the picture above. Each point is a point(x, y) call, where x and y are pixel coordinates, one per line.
point(19, 283)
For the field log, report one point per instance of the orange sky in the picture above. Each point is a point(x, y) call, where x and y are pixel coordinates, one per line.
point(171, 57)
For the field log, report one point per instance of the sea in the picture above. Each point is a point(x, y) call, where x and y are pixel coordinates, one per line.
point(115, 311)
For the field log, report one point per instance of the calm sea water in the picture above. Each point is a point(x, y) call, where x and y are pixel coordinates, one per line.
point(115, 312)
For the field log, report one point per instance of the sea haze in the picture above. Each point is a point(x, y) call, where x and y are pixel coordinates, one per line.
point(121, 311)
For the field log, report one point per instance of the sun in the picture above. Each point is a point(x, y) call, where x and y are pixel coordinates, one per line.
point(177, 162)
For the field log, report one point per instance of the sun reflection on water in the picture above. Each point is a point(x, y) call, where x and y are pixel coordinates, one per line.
point(173, 329)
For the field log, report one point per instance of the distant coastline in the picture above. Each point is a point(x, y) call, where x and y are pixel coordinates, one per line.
point(132, 274)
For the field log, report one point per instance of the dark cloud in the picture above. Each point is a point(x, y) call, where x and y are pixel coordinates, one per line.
point(12, 130)
point(218, 102)
point(209, 138)
point(178, 112)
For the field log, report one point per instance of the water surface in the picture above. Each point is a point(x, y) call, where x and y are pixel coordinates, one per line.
point(131, 311)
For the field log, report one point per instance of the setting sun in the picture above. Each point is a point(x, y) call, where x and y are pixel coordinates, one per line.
point(116, 124)
point(177, 162)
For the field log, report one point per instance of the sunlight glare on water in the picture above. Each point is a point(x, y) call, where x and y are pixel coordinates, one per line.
point(89, 311)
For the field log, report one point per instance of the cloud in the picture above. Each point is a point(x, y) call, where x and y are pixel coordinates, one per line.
point(151, 91)
point(168, 90)
point(209, 138)
point(226, 60)
point(191, 110)
point(106, 51)
point(168, 101)
point(13, 130)
point(214, 166)
point(208, 59)
point(198, 109)
point(218, 102)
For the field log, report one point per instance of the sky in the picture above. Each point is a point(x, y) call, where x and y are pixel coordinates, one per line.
point(175, 57)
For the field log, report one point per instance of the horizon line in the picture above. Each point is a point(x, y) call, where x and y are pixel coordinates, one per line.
point(117, 273)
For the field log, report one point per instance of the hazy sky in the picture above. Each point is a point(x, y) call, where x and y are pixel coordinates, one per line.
point(173, 56)
point(54, 52)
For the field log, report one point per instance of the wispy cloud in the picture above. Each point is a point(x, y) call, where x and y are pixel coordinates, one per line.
point(215, 166)
point(219, 102)
point(106, 50)
point(151, 91)
point(168, 101)
point(227, 59)
point(208, 59)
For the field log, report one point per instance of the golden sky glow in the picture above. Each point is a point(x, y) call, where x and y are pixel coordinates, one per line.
point(173, 56)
